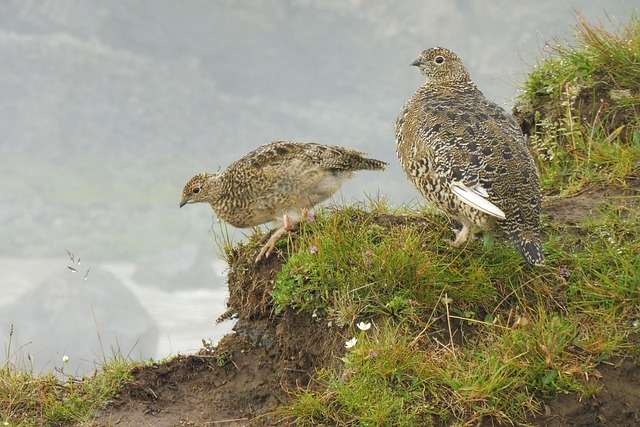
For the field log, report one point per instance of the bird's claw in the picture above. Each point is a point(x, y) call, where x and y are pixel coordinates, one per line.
point(265, 252)
point(268, 248)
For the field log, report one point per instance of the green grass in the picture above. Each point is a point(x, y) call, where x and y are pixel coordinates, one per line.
point(30, 399)
point(581, 107)
point(352, 267)
point(459, 335)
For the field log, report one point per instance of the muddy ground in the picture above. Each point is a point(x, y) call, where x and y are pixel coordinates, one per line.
point(242, 380)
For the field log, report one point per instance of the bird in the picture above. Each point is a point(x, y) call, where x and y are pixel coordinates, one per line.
point(468, 157)
point(279, 181)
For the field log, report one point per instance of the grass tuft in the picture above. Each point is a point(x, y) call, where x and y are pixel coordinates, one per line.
point(581, 104)
point(27, 398)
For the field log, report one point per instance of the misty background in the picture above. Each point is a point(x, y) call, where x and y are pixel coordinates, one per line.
point(108, 108)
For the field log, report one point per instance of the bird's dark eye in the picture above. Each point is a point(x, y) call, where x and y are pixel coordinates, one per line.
point(439, 59)
point(195, 190)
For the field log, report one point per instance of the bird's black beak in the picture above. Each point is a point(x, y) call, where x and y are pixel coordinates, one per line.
point(183, 202)
point(416, 63)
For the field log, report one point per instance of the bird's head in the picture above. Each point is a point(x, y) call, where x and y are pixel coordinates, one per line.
point(441, 66)
point(200, 188)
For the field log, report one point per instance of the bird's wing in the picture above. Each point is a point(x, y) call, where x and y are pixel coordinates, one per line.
point(476, 198)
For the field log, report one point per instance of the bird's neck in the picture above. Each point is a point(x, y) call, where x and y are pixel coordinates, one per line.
point(455, 87)
point(214, 187)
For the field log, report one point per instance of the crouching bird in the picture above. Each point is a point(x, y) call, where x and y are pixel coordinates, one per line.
point(468, 157)
point(279, 181)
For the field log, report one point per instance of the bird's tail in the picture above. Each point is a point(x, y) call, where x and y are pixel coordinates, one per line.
point(531, 251)
point(372, 164)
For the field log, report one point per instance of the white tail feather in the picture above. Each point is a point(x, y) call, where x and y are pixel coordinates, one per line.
point(476, 198)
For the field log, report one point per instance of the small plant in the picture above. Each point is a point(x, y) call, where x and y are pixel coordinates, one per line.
point(581, 107)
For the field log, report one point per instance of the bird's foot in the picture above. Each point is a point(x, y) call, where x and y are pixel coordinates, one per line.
point(287, 225)
point(265, 236)
point(462, 236)
point(268, 248)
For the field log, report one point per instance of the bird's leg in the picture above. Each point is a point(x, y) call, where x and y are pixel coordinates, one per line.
point(271, 243)
point(287, 225)
point(266, 236)
point(461, 235)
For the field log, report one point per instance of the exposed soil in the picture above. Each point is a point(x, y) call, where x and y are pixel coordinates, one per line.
point(247, 376)
point(617, 403)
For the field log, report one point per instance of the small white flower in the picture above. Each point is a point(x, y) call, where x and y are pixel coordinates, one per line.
point(351, 342)
point(364, 326)
point(65, 359)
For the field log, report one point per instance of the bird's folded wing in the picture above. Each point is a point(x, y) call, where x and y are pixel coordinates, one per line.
point(476, 198)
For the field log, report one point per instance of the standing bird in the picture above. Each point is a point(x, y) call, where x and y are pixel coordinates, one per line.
point(468, 157)
point(279, 182)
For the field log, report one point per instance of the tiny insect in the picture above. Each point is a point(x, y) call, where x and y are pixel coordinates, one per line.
point(73, 270)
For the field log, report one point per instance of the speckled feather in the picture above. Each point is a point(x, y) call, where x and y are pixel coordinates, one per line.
point(276, 182)
point(449, 132)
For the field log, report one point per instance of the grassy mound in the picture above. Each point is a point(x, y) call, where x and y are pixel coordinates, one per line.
point(581, 108)
point(439, 334)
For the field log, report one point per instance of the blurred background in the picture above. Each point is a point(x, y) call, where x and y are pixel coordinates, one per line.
point(108, 108)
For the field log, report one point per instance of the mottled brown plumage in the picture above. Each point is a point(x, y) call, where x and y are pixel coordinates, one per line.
point(468, 157)
point(277, 182)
